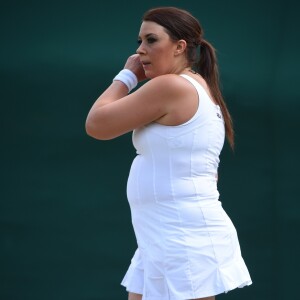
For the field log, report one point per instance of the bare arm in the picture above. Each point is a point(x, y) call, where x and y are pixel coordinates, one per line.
point(118, 89)
point(116, 113)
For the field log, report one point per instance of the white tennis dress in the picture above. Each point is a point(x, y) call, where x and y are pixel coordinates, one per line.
point(187, 246)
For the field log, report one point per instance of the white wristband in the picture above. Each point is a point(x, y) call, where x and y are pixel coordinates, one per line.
point(128, 78)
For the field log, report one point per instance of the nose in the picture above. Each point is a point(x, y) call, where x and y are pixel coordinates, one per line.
point(140, 49)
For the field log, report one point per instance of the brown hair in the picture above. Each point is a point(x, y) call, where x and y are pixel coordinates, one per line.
point(180, 24)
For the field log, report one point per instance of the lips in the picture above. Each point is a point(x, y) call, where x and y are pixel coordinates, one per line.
point(146, 65)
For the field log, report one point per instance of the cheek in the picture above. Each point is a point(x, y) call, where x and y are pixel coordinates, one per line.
point(163, 56)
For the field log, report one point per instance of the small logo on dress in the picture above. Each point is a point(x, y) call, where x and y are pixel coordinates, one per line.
point(219, 116)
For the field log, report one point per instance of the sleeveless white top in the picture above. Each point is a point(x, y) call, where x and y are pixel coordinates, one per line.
point(187, 245)
point(179, 161)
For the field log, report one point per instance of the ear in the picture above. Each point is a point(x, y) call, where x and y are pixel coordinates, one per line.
point(180, 47)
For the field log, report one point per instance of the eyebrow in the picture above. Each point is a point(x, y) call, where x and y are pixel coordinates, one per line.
point(148, 34)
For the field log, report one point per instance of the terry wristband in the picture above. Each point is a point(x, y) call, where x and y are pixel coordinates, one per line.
point(128, 78)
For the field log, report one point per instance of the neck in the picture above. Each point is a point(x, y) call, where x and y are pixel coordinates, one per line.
point(188, 70)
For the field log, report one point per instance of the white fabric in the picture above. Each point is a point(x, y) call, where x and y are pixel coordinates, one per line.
point(128, 78)
point(187, 246)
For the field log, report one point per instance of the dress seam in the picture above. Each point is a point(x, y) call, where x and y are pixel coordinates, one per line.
point(188, 273)
point(154, 170)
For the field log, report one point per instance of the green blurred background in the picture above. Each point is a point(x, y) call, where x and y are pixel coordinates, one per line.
point(64, 218)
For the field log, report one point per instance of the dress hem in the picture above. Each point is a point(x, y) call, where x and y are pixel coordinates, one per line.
point(202, 295)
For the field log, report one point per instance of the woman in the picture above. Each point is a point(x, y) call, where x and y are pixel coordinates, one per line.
point(187, 245)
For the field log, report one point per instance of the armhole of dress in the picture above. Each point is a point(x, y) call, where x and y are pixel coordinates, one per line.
point(194, 83)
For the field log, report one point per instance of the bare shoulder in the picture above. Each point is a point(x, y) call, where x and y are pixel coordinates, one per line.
point(165, 86)
point(174, 95)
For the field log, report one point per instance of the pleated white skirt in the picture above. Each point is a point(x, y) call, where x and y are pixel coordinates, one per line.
point(184, 252)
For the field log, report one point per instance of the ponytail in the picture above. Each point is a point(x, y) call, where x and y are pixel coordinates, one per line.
point(207, 67)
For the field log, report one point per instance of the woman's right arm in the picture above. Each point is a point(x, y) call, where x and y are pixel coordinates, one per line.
point(116, 113)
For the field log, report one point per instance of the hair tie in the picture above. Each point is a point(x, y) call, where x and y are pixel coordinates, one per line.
point(197, 42)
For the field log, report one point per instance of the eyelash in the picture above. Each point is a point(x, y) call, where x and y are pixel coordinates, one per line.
point(149, 40)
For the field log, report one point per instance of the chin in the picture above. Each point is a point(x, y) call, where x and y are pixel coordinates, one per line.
point(149, 75)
